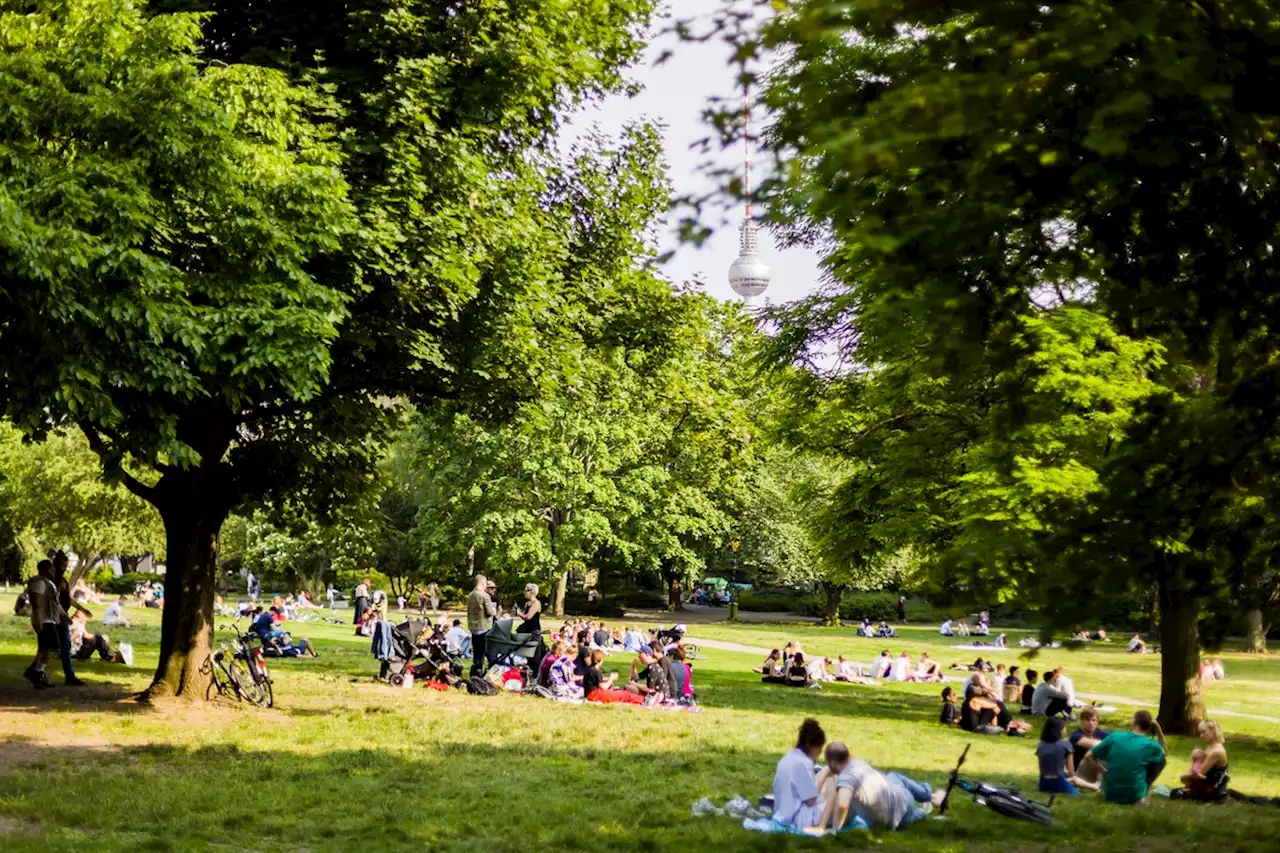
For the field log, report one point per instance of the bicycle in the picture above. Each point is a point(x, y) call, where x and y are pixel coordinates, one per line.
point(1005, 801)
point(239, 668)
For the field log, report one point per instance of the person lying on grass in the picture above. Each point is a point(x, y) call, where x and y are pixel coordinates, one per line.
point(851, 787)
point(1206, 781)
point(1133, 760)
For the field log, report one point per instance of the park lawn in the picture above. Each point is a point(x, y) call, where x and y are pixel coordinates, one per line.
point(343, 763)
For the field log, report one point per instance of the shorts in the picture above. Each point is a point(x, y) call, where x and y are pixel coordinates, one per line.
point(1058, 785)
point(48, 640)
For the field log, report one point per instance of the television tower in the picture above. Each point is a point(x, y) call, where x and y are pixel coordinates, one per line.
point(748, 275)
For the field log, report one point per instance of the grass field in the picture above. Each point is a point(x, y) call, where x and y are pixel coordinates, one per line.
point(343, 763)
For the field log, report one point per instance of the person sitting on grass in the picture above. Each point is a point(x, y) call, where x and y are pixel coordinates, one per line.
point(1207, 779)
point(562, 680)
point(797, 674)
point(950, 715)
point(597, 688)
point(797, 801)
point(853, 788)
point(114, 614)
point(1048, 701)
point(886, 630)
point(901, 669)
point(963, 629)
point(771, 664)
point(648, 679)
point(1088, 770)
point(1137, 645)
point(946, 630)
point(1029, 690)
point(1055, 758)
point(928, 670)
point(1011, 690)
point(819, 669)
point(865, 629)
point(1133, 760)
point(84, 642)
point(882, 666)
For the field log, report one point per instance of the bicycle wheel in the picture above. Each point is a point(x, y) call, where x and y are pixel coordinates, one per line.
point(1019, 809)
point(248, 688)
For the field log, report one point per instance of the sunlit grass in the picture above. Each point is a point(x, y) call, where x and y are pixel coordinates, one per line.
point(344, 763)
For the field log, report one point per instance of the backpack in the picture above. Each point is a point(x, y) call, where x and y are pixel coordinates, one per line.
point(479, 687)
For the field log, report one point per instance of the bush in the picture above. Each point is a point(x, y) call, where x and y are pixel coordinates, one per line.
point(856, 606)
point(774, 601)
point(123, 585)
point(577, 605)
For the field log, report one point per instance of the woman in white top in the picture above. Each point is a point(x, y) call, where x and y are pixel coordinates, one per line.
point(902, 669)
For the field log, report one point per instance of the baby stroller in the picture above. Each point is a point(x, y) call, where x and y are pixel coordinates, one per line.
point(503, 645)
point(409, 642)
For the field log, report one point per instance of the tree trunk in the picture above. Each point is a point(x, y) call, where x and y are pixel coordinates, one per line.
point(834, 594)
point(1255, 635)
point(186, 628)
point(562, 584)
point(675, 594)
point(1181, 702)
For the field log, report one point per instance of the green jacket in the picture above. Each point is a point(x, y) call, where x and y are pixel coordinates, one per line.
point(480, 611)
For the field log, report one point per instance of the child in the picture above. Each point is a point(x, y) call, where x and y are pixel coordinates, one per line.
point(1055, 754)
point(1029, 690)
point(950, 713)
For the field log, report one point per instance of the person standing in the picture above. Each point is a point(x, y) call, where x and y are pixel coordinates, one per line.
point(253, 587)
point(480, 614)
point(433, 592)
point(902, 609)
point(46, 612)
point(361, 597)
point(60, 563)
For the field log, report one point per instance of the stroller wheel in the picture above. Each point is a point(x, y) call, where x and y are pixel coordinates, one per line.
point(396, 680)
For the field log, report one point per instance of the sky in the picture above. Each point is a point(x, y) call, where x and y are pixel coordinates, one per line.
point(675, 94)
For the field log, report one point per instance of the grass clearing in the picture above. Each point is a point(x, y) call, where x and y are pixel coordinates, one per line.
point(344, 763)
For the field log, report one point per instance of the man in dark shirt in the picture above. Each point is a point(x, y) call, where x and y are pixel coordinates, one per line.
point(601, 637)
point(1028, 690)
point(1084, 739)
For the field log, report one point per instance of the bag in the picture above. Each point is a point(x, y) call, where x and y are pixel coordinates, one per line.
point(477, 686)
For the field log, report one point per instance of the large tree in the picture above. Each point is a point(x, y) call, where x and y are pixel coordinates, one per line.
point(230, 239)
point(985, 168)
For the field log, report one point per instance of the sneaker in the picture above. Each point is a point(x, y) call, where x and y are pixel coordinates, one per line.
point(30, 674)
point(75, 682)
point(41, 681)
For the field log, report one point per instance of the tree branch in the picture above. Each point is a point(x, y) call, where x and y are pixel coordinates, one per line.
point(111, 463)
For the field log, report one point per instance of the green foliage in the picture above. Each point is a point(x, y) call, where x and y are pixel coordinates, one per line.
point(55, 490)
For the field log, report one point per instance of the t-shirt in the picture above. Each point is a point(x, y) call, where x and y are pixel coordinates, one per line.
point(1127, 756)
point(793, 784)
point(48, 611)
point(950, 714)
point(601, 638)
point(878, 801)
point(264, 623)
point(114, 614)
point(1053, 757)
point(1028, 693)
point(591, 680)
point(1080, 751)
point(453, 639)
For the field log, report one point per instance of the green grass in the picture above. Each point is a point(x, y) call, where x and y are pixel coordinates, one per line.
point(343, 763)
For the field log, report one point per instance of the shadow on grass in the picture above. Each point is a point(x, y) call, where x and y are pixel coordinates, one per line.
point(462, 795)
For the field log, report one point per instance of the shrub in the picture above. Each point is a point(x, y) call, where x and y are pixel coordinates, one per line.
point(123, 585)
point(774, 601)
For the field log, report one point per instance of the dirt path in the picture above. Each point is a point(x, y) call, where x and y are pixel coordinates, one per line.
point(1099, 697)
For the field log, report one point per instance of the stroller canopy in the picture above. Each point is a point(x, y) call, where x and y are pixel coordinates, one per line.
point(503, 639)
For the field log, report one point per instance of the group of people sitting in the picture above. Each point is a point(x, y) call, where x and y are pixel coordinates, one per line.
point(1125, 764)
point(961, 627)
point(268, 625)
point(660, 674)
point(789, 666)
point(884, 629)
point(989, 691)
